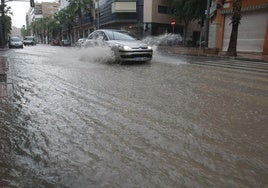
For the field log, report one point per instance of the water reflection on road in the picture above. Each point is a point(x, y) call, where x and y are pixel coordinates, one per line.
point(73, 121)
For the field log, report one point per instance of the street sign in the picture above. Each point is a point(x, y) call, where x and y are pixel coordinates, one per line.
point(173, 22)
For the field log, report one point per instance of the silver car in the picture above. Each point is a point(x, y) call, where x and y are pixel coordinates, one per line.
point(15, 42)
point(29, 40)
point(124, 45)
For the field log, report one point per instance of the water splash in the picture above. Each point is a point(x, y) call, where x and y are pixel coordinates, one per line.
point(103, 53)
point(98, 53)
point(167, 39)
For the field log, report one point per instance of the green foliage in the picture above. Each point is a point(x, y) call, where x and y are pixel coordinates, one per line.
point(24, 31)
point(5, 22)
point(78, 7)
point(8, 24)
point(189, 10)
point(47, 26)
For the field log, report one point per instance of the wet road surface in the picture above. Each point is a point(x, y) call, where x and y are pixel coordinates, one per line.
point(72, 119)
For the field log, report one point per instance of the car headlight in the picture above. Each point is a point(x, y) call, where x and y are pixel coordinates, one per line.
point(149, 47)
point(126, 48)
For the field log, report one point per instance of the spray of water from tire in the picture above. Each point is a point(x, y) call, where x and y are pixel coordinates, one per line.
point(103, 54)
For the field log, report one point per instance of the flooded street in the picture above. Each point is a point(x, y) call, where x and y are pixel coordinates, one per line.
point(73, 119)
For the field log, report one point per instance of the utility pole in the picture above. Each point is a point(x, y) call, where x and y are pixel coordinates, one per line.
point(207, 23)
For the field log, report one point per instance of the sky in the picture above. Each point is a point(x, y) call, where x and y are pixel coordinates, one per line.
point(19, 10)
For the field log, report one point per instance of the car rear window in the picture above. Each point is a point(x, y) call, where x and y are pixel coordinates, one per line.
point(29, 38)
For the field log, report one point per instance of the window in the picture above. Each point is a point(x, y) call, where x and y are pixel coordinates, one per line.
point(163, 9)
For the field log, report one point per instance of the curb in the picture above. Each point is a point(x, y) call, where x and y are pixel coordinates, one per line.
point(195, 52)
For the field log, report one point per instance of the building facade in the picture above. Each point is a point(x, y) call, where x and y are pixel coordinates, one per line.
point(112, 14)
point(41, 10)
point(253, 29)
point(158, 17)
point(144, 17)
point(78, 28)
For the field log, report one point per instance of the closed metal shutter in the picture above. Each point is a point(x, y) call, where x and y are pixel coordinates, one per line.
point(251, 31)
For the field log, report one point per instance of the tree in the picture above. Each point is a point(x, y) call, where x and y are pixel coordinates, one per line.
point(24, 32)
point(65, 17)
point(54, 28)
point(5, 27)
point(79, 7)
point(235, 21)
point(187, 11)
point(46, 28)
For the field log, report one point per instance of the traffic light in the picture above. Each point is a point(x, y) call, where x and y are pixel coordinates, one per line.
point(32, 3)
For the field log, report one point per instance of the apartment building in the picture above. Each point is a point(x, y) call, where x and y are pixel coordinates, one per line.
point(112, 14)
point(49, 8)
point(41, 10)
point(144, 17)
point(253, 29)
point(158, 16)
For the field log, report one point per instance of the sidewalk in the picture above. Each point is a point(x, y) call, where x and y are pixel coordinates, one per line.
point(195, 51)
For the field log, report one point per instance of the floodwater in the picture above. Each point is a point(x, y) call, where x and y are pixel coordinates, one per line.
point(73, 119)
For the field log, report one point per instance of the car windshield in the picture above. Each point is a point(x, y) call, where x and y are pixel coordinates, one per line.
point(119, 35)
point(15, 39)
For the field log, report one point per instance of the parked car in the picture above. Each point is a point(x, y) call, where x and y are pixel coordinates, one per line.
point(124, 45)
point(65, 42)
point(55, 42)
point(15, 42)
point(29, 40)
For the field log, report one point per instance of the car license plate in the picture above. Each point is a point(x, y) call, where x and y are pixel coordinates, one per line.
point(139, 59)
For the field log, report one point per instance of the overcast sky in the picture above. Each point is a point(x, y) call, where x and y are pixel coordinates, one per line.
point(19, 10)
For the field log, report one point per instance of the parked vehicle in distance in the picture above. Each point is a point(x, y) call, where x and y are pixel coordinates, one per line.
point(125, 46)
point(65, 42)
point(29, 40)
point(15, 42)
point(55, 42)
